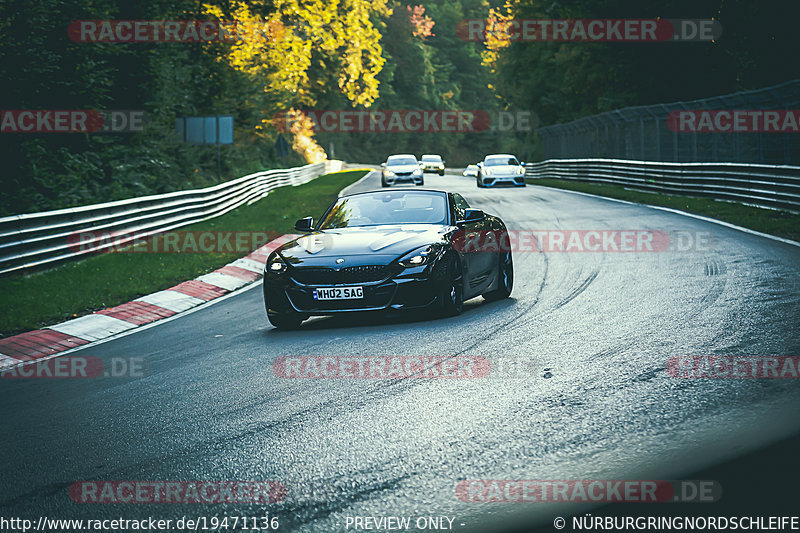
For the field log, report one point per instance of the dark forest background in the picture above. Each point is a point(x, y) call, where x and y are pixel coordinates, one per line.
point(355, 54)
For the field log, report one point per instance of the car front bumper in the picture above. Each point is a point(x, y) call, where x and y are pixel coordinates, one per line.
point(513, 179)
point(282, 294)
point(402, 178)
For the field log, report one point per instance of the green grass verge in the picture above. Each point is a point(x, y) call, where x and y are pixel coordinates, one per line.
point(779, 223)
point(78, 288)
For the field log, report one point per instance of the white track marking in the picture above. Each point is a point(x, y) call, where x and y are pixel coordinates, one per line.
point(172, 300)
point(93, 327)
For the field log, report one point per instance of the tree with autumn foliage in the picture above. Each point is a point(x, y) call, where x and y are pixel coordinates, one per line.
point(319, 43)
point(421, 23)
point(313, 53)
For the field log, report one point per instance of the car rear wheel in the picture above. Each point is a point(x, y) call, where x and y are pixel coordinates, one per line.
point(505, 279)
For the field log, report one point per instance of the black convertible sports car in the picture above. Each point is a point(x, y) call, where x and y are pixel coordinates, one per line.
point(401, 249)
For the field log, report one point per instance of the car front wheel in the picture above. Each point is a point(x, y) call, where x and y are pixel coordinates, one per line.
point(286, 321)
point(505, 279)
point(451, 295)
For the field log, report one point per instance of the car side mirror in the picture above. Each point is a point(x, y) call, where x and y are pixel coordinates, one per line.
point(480, 165)
point(522, 163)
point(304, 224)
point(383, 165)
point(473, 215)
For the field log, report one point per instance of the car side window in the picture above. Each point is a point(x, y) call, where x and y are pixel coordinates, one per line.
point(460, 206)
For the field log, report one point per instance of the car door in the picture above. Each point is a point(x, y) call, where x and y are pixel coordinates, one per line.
point(459, 239)
point(478, 263)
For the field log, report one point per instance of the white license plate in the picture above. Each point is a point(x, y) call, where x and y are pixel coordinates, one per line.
point(339, 293)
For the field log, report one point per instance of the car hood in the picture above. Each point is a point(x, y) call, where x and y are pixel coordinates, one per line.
point(362, 245)
point(503, 169)
point(402, 168)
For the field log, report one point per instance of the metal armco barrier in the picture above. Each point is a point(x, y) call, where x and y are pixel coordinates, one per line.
point(770, 186)
point(644, 132)
point(36, 239)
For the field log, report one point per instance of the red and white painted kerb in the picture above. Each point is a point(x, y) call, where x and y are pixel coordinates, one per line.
point(49, 342)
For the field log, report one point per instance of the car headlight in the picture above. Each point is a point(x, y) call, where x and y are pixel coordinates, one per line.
point(276, 264)
point(389, 173)
point(521, 170)
point(417, 172)
point(420, 256)
point(487, 172)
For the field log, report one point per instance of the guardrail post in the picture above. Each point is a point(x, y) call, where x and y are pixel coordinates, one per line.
point(641, 138)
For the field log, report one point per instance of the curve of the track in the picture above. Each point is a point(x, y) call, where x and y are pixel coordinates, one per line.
point(594, 331)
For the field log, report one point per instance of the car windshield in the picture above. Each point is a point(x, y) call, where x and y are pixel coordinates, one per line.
point(396, 207)
point(402, 160)
point(497, 161)
point(432, 158)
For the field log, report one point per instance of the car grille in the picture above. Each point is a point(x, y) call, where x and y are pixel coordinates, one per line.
point(375, 297)
point(347, 275)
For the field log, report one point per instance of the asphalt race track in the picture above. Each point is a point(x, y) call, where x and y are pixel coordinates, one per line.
point(585, 394)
